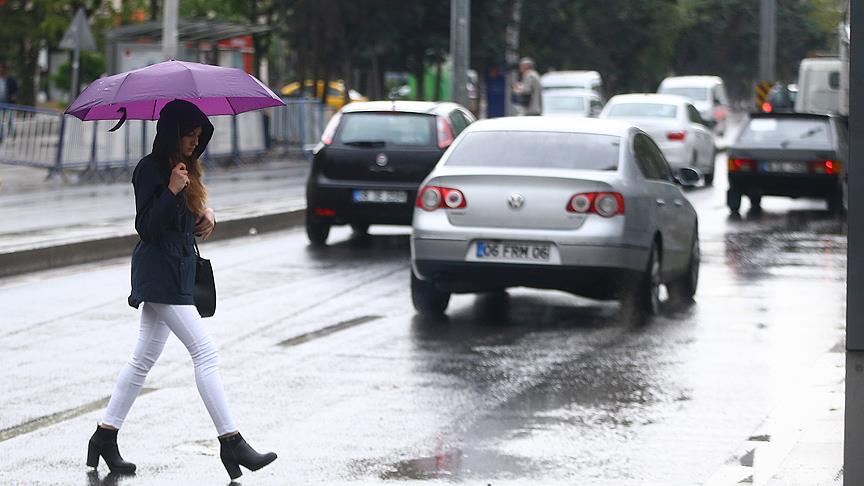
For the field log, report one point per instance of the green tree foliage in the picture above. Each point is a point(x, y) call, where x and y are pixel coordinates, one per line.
point(91, 66)
point(633, 43)
point(722, 37)
point(30, 25)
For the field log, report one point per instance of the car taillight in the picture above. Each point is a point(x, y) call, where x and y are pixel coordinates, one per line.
point(676, 136)
point(606, 204)
point(741, 165)
point(825, 167)
point(431, 198)
point(767, 108)
point(330, 131)
point(719, 113)
point(445, 134)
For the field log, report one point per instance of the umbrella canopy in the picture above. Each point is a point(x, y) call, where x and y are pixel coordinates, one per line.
point(141, 93)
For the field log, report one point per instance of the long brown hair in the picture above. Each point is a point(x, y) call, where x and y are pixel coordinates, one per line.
point(196, 192)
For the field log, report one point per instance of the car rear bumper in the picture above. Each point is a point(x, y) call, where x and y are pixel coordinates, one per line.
point(790, 185)
point(464, 277)
point(593, 270)
point(333, 202)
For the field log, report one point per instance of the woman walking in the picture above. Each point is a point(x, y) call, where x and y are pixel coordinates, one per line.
point(170, 200)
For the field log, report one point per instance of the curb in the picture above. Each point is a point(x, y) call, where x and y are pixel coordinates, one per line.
point(18, 262)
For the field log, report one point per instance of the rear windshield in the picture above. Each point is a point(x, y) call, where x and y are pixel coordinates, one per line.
point(650, 110)
point(786, 132)
point(545, 150)
point(694, 93)
point(564, 104)
point(379, 129)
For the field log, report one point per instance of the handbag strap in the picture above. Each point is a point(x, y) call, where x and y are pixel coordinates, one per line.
point(195, 244)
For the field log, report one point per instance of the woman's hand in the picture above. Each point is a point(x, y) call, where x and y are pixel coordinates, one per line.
point(205, 224)
point(179, 178)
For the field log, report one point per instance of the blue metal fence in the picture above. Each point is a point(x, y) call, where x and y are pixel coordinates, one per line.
point(47, 139)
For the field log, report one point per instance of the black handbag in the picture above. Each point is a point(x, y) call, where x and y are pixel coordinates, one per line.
point(205, 286)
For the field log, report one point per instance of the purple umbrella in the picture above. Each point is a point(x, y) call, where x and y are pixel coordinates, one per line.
point(141, 93)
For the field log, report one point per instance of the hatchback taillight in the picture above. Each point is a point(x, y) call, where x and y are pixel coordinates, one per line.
point(741, 165)
point(330, 131)
point(606, 204)
point(825, 167)
point(445, 134)
point(431, 198)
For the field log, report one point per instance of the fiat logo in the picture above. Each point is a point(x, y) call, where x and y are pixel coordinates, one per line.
point(515, 201)
point(381, 160)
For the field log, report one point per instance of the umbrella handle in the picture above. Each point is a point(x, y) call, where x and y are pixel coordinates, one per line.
point(122, 111)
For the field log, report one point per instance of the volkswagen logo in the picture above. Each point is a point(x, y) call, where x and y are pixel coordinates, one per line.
point(515, 201)
point(381, 160)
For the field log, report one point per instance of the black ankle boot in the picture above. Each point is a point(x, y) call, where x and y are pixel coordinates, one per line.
point(104, 443)
point(235, 452)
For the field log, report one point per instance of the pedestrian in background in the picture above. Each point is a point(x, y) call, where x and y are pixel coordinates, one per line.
point(529, 90)
point(8, 84)
point(170, 200)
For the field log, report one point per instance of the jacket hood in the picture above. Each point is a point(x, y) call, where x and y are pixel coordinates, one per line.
point(177, 118)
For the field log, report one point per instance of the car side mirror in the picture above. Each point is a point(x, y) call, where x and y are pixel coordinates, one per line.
point(688, 177)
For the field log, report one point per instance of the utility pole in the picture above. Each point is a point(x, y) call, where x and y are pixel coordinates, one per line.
point(767, 40)
point(169, 29)
point(511, 54)
point(460, 48)
point(853, 444)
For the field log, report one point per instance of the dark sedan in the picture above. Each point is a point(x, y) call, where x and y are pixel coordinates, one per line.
point(371, 160)
point(792, 155)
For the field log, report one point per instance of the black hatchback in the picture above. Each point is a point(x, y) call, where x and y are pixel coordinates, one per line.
point(792, 155)
point(371, 160)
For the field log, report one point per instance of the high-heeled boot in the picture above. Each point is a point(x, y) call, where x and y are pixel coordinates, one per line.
point(104, 443)
point(235, 452)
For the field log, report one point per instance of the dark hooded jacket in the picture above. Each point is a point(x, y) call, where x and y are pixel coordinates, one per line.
point(163, 262)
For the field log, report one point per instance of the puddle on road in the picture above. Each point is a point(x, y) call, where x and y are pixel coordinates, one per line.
point(457, 465)
point(444, 465)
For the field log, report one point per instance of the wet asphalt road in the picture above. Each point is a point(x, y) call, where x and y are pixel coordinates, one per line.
point(326, 363)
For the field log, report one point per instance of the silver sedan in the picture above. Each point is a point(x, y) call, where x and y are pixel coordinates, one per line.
point(585, 206)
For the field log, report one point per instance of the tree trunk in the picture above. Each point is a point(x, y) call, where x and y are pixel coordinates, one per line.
point(419, 73)
point(26, 67)
point(437, 96)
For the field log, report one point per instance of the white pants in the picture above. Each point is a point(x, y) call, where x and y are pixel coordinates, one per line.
point(157, 322)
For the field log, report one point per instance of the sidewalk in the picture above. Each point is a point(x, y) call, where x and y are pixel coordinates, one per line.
point(51, 223)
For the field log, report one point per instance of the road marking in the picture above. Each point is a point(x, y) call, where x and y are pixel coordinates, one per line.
point(56, 418)
point(320, 333)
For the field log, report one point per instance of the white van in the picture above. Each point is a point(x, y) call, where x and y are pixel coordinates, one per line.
point(819, 85)
point(590, 80)
point(707, 93)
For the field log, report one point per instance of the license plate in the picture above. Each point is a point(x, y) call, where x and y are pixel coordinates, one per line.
point(513, 251)
point(363, 196)
point(781, 166)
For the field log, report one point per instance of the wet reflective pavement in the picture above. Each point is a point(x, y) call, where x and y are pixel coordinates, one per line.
point(326, 363)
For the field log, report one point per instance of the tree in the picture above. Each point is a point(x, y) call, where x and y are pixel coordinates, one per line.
point(92, 65)
point(30, 25)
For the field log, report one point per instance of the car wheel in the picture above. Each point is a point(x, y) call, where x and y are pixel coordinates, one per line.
point(360, 230)
point(427, 298)
point(733, 199)
point(317, 231)
point(643, 300)
point(712, 162)
point(835, 203)
point(683, 288)
point(755, 202)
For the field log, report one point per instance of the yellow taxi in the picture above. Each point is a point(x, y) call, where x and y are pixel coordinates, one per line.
point(335, 92)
